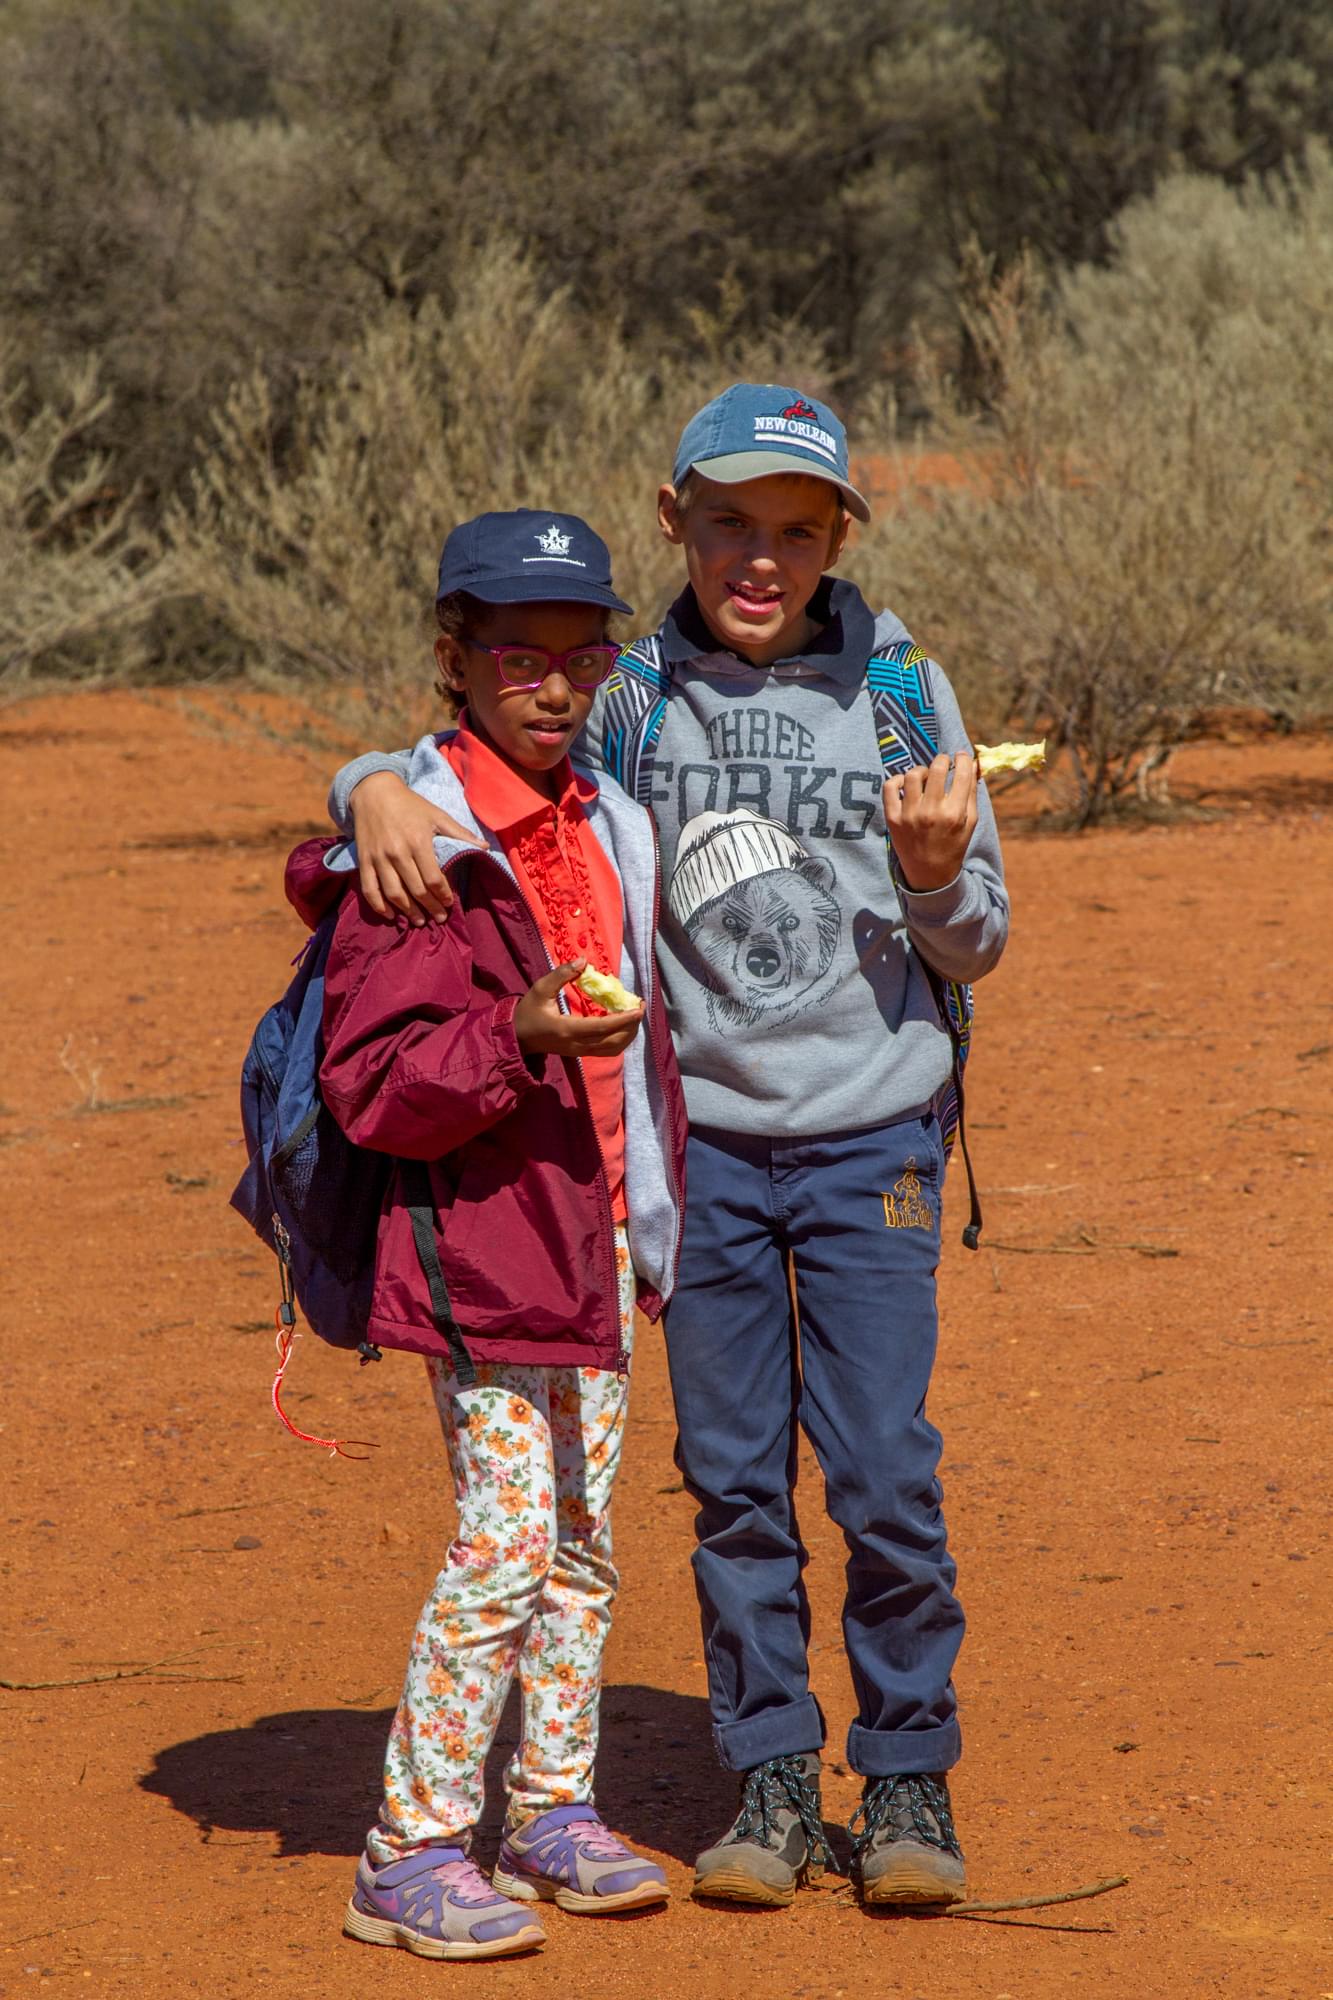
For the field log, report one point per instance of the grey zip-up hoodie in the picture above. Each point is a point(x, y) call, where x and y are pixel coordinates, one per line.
point(789, 951)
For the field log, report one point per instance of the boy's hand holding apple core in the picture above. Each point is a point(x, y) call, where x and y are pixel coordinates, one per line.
point(993, 758)
point(543, 1030)
point(395, 845)
point(931, 820)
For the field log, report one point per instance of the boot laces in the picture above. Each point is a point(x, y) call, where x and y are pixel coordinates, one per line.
point(781, 1785)
point(912, 1806)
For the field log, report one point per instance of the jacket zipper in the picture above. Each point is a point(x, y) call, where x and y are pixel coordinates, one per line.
point(669, 1151)
point(622, 1353)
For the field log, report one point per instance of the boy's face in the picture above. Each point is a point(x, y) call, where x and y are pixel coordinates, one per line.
point(532, 728)
point(755, 552)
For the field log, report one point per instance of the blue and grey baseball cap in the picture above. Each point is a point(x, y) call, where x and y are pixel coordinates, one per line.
point(755, 429)
point(529, 557)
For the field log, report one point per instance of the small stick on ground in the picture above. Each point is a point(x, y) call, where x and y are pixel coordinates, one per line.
point(1038, 1902)
point(1085, 1247)
point(166, 1669)
point(1047, 1249)
point(31, 1937)
point(1028, 1924)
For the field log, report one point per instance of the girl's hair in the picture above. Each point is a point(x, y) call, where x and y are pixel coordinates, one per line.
point(688, 492)
point(456, 614)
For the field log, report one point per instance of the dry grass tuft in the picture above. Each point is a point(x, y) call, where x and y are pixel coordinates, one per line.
point(77, 563)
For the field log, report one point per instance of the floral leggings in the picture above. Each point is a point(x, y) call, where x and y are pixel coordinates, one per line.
point(527, 1583)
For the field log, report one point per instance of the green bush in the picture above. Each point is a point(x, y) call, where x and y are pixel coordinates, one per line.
point(191, 188)
point(1146, 532)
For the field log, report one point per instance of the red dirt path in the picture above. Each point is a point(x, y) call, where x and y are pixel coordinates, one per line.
point(1133, 1387)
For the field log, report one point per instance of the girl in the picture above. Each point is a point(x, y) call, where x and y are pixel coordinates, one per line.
point(554, 1134)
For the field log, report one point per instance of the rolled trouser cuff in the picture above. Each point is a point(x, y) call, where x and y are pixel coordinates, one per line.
point(778, 1732)
point(888, 1753)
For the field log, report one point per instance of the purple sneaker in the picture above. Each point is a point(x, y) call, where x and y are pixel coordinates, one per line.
point(437, 1904)
point(566, 1856)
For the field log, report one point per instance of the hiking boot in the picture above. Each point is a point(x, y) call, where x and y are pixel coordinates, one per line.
point(906, 1850)
point(437, 1904)
point(567, 1857)
point(776, 1839)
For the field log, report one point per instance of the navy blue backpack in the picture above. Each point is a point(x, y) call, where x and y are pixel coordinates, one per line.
point(313, 1195)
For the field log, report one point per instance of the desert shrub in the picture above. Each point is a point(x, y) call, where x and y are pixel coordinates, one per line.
point(314, 537)
point(273, 213)
point(79, 575)
point(97, 187)
point(191, 187)
point(1147, 532)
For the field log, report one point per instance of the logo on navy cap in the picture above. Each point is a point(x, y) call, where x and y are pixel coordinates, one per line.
point(555, 545)
point(799, 409)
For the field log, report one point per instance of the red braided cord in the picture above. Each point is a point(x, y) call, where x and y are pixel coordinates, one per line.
point(335, 1446)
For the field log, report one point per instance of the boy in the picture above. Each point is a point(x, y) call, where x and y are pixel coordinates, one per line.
point(812, 1052)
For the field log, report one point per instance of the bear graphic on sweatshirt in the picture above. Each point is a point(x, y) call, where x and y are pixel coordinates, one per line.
point(758, 910)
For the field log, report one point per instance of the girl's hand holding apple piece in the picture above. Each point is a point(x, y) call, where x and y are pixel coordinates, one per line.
point(543, 1030)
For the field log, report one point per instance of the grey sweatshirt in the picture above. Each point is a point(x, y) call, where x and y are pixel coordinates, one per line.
point(789, 953)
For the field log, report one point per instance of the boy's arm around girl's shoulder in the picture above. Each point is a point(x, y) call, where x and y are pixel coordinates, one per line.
point(418, 1057)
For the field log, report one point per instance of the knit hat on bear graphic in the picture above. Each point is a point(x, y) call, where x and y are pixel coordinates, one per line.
point(754, 430)
point(718, 850)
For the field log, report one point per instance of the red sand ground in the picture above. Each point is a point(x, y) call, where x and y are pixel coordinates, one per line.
point(1133, 1386)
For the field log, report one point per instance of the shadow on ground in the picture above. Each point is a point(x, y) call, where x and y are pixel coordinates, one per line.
point(311, 1776)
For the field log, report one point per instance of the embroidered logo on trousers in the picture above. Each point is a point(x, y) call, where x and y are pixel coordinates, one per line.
point(905, 1207)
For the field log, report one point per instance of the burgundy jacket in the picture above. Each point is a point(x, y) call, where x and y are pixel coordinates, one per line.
point(421, 1061)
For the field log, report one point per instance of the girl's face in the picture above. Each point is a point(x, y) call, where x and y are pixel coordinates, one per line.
point(531, 728)
point(755, 552)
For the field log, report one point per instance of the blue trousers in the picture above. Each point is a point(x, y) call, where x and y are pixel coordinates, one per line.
point(854, 1218)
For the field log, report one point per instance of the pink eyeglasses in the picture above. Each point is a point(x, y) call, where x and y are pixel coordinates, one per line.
point(529, 666)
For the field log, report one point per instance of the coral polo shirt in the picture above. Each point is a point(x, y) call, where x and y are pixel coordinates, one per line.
point(573, 892)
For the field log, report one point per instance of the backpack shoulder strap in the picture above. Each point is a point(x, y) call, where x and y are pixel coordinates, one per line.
point(633, 711)
point(898, 681)
point(415, 1182)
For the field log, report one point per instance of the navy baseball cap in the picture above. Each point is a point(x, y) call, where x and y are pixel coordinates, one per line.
point(529, 557)
point(755, 429)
